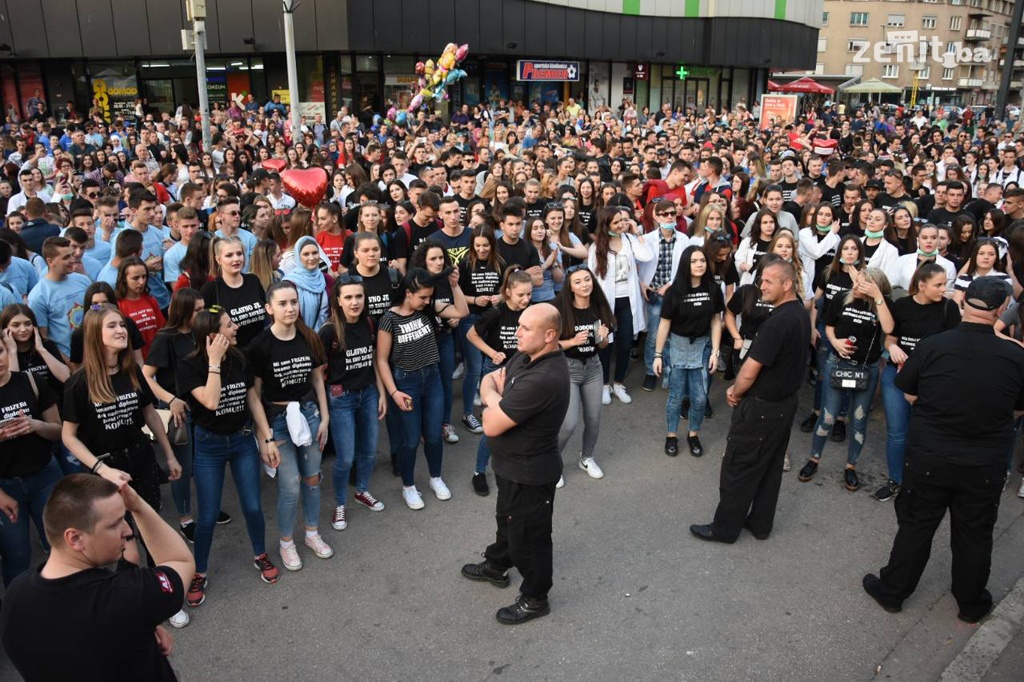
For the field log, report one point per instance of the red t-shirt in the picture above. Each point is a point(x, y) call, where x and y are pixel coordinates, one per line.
point(145, 313)
point(333, 245)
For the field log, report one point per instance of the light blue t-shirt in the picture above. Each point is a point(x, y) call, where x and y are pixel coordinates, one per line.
point(8, 297)
point(100, 250)
point(60, 306)
point(153, 245)
point(249, 242)
point(172, 262)
point(20, 276)
point(108, 274)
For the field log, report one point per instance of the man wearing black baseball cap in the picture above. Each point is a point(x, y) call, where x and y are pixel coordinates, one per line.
point(966, 386)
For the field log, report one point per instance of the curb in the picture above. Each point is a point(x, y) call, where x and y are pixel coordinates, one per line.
point(990, 640)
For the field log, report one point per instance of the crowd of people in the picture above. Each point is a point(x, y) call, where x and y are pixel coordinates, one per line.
point(140, 271)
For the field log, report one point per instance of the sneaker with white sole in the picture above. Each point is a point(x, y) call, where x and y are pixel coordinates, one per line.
point(619, 391)
point(290, 557)
point(561, 482)
point(448, 432)
point(1020, 492)
point(460, 371)
point(476, 401)
point(440, 489)
point(339, 522)
point(369, 501)
point(412, 497)
point(472, 424)
point(180, 619)
point(319, 547)
point(606, 395)
point(590, 466)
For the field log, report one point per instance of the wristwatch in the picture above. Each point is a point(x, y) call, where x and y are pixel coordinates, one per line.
point(879, 301)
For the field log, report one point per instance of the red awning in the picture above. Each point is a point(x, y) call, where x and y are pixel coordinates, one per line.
point(806, 85)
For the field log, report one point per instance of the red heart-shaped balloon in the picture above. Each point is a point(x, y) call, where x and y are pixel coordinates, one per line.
point(274, 165)
point(306, 185)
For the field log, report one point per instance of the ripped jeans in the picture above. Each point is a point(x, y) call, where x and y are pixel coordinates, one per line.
point(832, 401)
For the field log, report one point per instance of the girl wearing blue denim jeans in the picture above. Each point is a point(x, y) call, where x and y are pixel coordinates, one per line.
point(408, 362)
point(355, 395)
point(170, 346)
point(691, 324)
point(494, 336)
point(924, 312)
point(219, 386)
point(856, 324)
point(288, 359)
point(587, 321)
point(480, 279)
point(433, 258)
point(28, 472)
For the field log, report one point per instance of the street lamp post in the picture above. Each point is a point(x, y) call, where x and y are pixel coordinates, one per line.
point(289, 7)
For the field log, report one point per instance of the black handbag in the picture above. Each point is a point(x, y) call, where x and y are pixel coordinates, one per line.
point(851, 376)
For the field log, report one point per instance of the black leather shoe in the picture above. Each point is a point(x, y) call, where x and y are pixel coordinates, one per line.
point(759, 536)
point(525, 609)
point(974, 615)
point(708, 412)
point(808, 471)
point(485, 573)
point(871, 586)
point(480, 486)
point(671, 446)
point(696, 449)
point(705, 533)
point(807, 425)
point(839, 431)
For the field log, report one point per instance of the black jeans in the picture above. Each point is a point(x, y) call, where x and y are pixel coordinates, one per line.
point(971, 494)
point(752, 468)
point(523, 540)
point(622, 344)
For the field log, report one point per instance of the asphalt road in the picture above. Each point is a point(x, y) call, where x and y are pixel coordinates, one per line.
point(635, 597)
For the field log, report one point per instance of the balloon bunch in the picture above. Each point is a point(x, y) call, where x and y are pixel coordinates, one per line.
point(433, 81)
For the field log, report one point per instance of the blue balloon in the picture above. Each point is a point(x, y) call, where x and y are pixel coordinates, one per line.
point(400, 117)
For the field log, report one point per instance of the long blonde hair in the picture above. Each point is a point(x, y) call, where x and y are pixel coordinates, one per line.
point(876, 276)
point(94, 357)
point(798, 264)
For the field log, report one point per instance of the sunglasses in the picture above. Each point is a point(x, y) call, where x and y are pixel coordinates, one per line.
point(577, 268)
point(347, 278)
point(91, 195)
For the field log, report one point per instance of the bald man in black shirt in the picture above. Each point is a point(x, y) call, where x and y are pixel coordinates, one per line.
point(966, 386)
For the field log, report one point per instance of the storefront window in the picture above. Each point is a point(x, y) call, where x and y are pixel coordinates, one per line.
point(367, 63)
point(399, 79)
point(312, 100)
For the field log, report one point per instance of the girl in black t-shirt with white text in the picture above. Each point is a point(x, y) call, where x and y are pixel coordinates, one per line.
point(691, 321)
point(408, 363)
point(855, 324)
point(289, 360)
point(241, 294)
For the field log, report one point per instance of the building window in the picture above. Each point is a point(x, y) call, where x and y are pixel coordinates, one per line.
point(854, 69)
point(819, 69)
point(856, 45)
point(824, 18)
point(891, 71)
point(950, 48)
point(895, 20)
point(947, 74)
point(822, 42)
point(928, 22)
point(858, 18)
point(954, 23)
point(925, 73)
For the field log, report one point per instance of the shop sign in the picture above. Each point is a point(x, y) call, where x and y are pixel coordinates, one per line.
point(115, 94)
point(777, 110)
point(641, 72)
point(529, 70)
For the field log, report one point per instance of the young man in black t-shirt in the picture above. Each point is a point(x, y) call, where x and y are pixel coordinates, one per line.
point(516, 251)
point(417, 230)
point(108, 622)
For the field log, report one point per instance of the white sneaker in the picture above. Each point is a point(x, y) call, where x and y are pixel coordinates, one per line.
point(561, 482)
point(440, 489)
point(179, 620)
point(590, 466)
point(412, 497)
point(476, 400)
point(606, 395)
point(448, 432)
point(319, 547)
point(620, 392)
point(460, 371)
point(1020, 492)
point(290, 557)
point(785, 463)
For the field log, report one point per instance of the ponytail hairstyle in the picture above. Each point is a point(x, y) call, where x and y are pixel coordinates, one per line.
point(924, 273)
point(514, 274)
point(94, 362)
point(316, 348)
point(337, 315)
